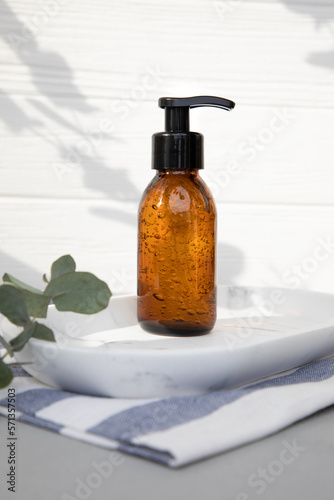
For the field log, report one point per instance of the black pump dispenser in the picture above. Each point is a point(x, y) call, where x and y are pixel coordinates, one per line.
point(177, 148)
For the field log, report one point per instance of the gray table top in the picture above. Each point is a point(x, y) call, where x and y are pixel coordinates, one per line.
point(51, 466)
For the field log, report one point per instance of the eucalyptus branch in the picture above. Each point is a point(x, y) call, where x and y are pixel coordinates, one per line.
point(3, 357)
point(22, 304)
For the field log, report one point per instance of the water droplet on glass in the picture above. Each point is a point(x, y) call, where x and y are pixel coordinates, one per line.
point(158, 296)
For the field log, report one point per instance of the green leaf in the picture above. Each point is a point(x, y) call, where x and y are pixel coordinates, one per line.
point(43, 332)
point(13, 305)
point(6, 345)
point(79, 292)
point(6, 375)
point(63, 265)
point(37, 303)
point(36, 330)
point(22, 338)
point(8, 278)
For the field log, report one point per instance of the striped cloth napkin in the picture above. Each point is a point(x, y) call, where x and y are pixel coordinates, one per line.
point(178, 430)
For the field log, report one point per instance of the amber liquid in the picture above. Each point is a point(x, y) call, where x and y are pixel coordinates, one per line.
point(176, 255)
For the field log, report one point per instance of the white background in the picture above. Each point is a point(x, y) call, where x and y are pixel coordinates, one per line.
point(70, 68)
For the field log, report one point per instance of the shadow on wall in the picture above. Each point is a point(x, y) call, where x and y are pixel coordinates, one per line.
point(99, 176)
point(20, 270)
point(230, 263)
point(12, 30)
point(323, 16)
point(14, 117)
point(46, 68)
point(54, 79)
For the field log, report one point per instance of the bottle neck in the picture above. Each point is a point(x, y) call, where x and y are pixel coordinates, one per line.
point(185, 172)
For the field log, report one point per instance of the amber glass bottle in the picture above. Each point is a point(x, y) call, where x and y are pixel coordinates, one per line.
point(176, 254)
point(177, 230)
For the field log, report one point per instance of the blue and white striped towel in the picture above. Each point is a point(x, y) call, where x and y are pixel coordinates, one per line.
point(178, 430)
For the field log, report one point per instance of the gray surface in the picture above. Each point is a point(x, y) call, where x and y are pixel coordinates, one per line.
point(49, 465)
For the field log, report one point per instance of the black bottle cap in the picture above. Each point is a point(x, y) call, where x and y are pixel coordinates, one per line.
point(177, 148)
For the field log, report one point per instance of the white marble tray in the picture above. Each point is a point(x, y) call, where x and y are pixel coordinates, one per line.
point(259, 332)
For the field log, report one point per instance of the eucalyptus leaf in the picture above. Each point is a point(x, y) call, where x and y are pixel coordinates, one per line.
point(70, 291)
point(6, 375)
point(13, 305)
point(20, 341)
point(43, 332)
point(6, 345)
point(63, 265)
point(8, 278)
point(79, 292)
point(37, 303)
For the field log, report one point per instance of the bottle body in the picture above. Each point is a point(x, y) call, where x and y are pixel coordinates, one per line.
point(177, 255)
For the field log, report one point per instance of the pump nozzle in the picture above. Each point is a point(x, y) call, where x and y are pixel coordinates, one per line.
point(195, 102)
point(177, 148)
point(177, 109)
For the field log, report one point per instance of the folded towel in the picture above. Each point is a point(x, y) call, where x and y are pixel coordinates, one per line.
point(178, 430)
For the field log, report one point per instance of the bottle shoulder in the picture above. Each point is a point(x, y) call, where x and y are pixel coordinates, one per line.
point(187, 191)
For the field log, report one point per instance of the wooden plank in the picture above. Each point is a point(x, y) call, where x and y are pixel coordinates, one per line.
point(103, 50)
point(263, 155)
point(260, 245)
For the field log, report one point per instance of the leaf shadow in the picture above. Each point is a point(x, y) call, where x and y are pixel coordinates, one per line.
point(323, 16)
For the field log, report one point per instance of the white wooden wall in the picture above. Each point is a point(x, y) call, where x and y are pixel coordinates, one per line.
point(71, 68)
